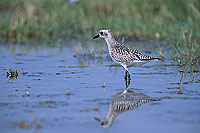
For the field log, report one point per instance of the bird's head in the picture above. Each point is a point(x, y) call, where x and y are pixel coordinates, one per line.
point(105, 123)
point(104, 33)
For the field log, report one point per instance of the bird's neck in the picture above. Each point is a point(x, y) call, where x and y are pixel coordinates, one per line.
point(110, 41)
point(111, 116)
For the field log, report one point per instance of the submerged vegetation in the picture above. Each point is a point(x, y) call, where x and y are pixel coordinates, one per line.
point(174, 20)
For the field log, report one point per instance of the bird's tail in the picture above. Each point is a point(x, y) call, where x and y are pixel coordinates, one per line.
point(156, 59)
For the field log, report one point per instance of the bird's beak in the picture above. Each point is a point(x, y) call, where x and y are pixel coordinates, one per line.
point(97, 119)
point(97, 36)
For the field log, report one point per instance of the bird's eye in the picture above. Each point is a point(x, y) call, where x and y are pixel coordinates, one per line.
point(101, 33)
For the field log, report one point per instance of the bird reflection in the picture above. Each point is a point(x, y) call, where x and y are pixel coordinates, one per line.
point(123, 102)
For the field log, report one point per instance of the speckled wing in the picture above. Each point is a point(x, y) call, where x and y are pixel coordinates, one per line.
point(139, 55)
point(122, 105)
point(124, 54)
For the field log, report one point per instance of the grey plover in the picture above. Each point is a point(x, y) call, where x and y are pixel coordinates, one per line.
point(121, 54)
point(123, 102)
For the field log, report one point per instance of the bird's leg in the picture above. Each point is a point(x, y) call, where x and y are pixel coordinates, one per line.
point(128, 75)
point(127, 83)
point(125, 77)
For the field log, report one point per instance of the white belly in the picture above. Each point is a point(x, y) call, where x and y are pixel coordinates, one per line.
point(137, 62)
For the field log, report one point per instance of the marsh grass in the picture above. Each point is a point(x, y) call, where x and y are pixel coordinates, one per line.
point(187, 52)
point(22, 20)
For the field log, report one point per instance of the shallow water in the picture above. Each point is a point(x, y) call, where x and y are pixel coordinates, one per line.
point(67, 90)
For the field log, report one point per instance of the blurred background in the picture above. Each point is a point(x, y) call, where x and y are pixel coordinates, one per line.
point(164, 19)
point(170, 20)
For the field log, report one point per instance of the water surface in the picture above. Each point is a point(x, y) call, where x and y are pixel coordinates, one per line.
point(64, 87)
